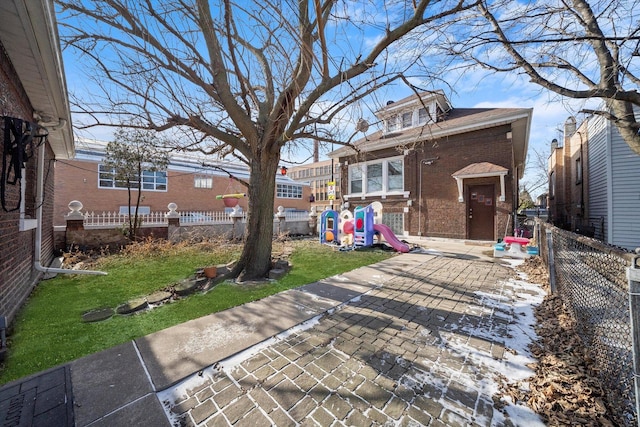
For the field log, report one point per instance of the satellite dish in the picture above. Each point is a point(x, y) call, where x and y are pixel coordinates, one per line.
point(362, 125)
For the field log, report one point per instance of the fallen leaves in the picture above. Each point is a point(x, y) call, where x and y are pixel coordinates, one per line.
point(564, 389)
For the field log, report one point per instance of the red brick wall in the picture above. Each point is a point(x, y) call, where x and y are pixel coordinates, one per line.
point(442, 214)
point(17, 273)
point(78, 180)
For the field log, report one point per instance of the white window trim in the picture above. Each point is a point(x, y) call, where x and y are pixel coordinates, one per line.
point(140, 184)
point(199, 179)
point(411, 115)
point(282, 189)
point(385, 179)
point(392, 123)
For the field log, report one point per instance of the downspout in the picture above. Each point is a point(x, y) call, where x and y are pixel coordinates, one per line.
point(38, 247)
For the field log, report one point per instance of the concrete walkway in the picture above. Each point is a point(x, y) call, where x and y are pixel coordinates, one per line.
point(417, 339)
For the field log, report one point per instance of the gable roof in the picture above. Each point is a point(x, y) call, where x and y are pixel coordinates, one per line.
point(458, 121)
point(482, 168)
point(412, 100)
point(29, 35)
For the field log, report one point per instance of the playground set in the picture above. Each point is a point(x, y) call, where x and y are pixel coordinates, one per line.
point(358, 229)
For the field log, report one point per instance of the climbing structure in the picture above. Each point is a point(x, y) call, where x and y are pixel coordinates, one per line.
point(363, 226)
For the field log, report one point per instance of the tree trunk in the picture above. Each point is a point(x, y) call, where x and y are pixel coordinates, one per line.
point(131, 232)
point(255, 261)
point(626, 123)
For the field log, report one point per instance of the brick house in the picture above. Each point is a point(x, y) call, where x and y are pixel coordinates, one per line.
point(33, 101)
point(593, 183)
point(190, 182)
point(567, 180)
point(440, 171)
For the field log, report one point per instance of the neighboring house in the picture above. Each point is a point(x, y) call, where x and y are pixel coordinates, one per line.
point(593, 186)
point(319, 175)
point(567, 178)
point(33, 101)
point(190, 182)
point(440, 171)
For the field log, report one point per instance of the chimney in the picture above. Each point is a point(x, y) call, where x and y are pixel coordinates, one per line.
point(554, 144)
point(569, 127)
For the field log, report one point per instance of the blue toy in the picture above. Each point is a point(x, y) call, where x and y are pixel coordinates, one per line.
point(329, 226)
point(363, 226)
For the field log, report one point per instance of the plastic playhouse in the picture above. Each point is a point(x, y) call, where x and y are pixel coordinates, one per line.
point(358, 229)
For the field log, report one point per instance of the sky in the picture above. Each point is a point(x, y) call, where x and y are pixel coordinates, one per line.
point(473, 88)
point(490, 90)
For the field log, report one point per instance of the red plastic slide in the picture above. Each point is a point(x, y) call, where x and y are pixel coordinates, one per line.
point(391, 238)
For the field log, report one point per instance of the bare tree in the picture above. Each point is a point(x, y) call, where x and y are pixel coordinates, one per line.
point(244, 79)
point(130, 155)
point(576, 48)
point(537, 173)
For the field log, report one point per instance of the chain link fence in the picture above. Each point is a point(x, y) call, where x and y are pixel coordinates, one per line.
point(590, 277)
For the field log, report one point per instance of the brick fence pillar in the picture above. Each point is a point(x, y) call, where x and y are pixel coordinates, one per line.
point(75, 218)
point(173, 220)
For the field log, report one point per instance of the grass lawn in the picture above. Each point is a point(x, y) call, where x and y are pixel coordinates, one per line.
point(49, 330)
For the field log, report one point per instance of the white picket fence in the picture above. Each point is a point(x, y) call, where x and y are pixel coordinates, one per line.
point(211, 217)
point(114, 219)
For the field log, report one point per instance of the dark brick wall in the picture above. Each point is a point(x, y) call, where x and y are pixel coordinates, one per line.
point(441, 214)
point(17, 273)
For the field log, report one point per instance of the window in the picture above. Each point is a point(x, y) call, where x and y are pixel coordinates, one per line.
point(374, 177)
point(377, 177)
point(395, 178)
point(130, 210)
point(406, 119)
point(355, 180)
point(289, 191)
point(154, 181)
point(203, 181)
point(578, 171)
point(392, 123)
point(106, 179)
point(423, 115)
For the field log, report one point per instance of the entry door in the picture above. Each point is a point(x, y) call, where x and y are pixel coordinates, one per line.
point(481, 212)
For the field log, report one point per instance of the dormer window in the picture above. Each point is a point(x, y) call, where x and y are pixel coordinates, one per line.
point(413, 112)
point(392, 123)
point(406, 119)
point(423, 115)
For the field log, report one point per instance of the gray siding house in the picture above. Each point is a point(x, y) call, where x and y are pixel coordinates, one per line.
point(597, 177)
point(615, 179)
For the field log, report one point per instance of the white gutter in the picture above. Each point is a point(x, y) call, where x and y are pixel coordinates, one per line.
point(39, 199)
